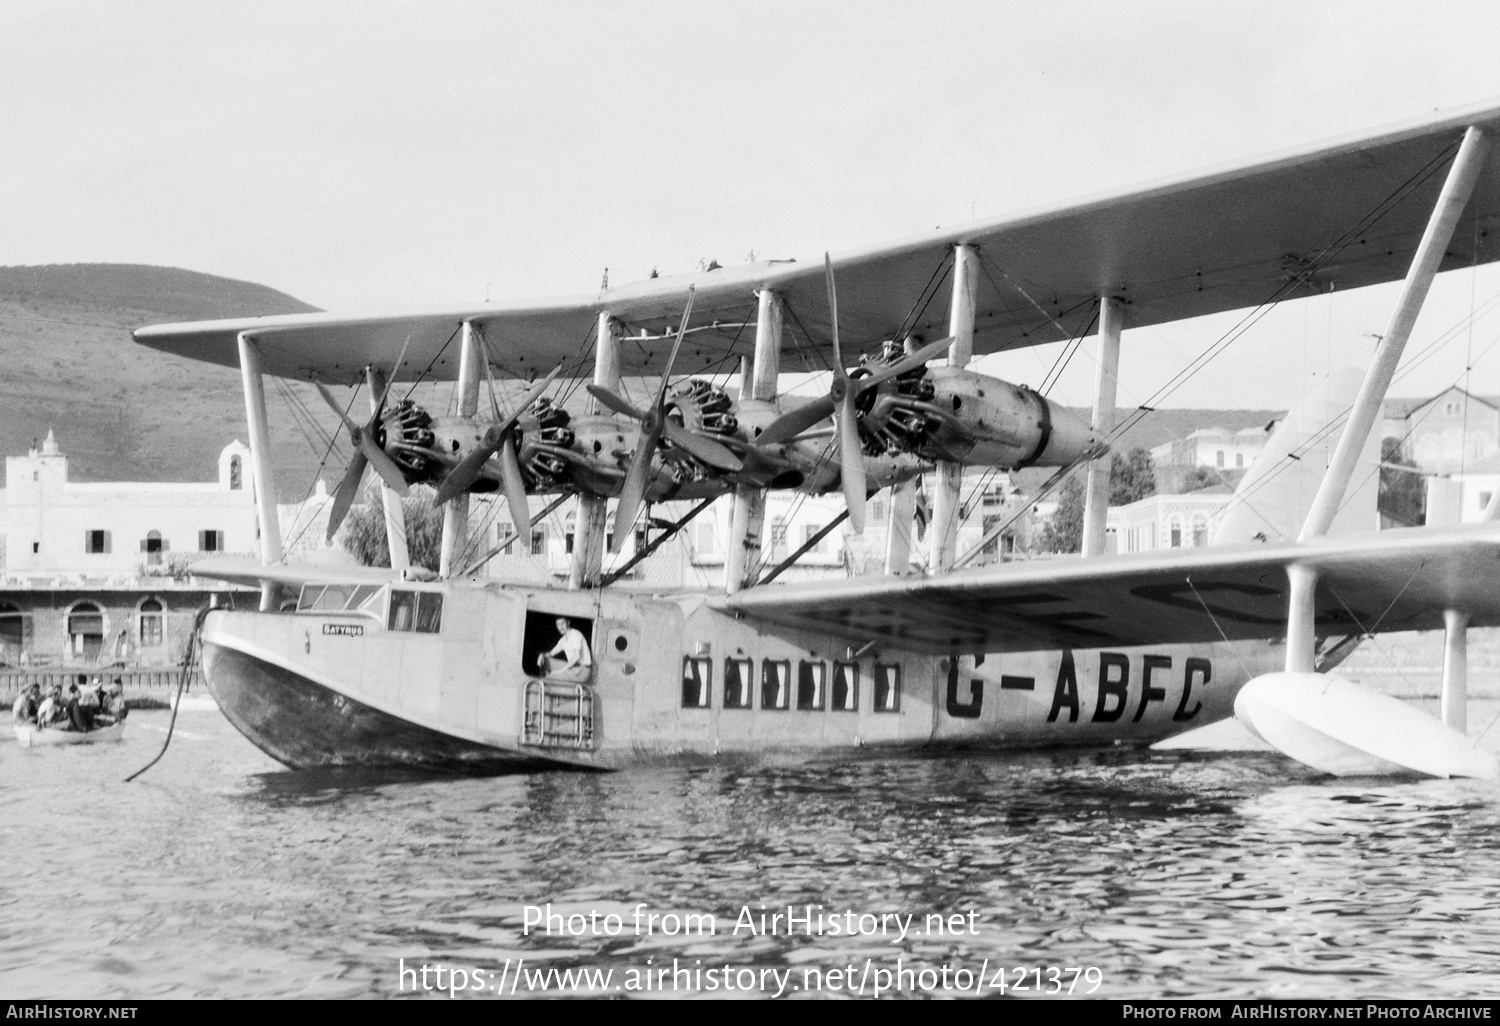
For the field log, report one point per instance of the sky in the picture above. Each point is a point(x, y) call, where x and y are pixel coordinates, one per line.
point(376, 154)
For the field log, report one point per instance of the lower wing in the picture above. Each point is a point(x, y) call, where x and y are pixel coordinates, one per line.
point(1395, 580)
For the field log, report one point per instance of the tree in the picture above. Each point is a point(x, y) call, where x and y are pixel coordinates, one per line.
point(363, 532)
point(1130, 479)
point(1198, 477)
point(1403, 493)
point(1064, 529)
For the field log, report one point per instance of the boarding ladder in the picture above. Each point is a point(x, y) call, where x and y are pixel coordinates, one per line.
point(558, 714)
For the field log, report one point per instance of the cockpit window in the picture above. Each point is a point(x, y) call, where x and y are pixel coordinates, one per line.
point(420, 611)
point(333, 598)
point(429, 612)
point(403, 613)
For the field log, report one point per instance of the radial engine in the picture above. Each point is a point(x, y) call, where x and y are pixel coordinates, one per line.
point(949, 413)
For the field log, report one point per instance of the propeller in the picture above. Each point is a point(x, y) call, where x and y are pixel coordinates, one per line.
point(841, 403)
point(366, 453)
point(497, 439)
point(792, 423)
point(703, 448)
point(653, 426)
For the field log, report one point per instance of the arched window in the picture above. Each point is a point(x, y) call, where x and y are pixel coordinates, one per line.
point(236, 475)
point(85, 631)
point(152, 618)
point(153, 545)
point(1176, 533)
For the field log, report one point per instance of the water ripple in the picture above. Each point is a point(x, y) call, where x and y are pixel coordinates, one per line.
point(1176, 874)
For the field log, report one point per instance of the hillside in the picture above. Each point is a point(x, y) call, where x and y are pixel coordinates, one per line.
point(121, 411)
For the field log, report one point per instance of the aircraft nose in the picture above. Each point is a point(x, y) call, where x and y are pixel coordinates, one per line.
point(1071, 438)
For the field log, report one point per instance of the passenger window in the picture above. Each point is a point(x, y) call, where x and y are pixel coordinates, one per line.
point(888, 687)
point(429, 612)
point(697, 674)
point(845, 697)
point(403, 610)
point(620, 643)
point(738, 680)
point(811, 676)
point(775, 684)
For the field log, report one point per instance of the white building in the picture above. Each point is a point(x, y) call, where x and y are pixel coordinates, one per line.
point(54, 526)
point(1215, 447)
point(1469, 491)
point(1446, 434)
point(1167, 521)
point(94, 574)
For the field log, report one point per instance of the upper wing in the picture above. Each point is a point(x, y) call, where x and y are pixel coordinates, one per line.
point(1397, 580)
point(1349, 213)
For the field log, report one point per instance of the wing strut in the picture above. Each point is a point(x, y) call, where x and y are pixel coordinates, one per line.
point(1096, 490)
point(390, 498)
point(260, 459)
point(748, 516)
point(593, 510)
point(946, 510)
point(456, 509)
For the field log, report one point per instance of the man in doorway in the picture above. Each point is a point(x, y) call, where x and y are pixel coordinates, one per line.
point(569, 658)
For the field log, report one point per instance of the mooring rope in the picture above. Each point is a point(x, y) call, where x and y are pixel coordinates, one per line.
point(194, 647)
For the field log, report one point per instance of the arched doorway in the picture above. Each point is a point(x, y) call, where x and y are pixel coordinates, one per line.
point(85, 631)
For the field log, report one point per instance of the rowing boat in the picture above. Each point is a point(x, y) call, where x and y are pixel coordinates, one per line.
point(31, 737)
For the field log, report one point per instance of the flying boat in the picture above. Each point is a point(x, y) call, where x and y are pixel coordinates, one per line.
point(392, 667)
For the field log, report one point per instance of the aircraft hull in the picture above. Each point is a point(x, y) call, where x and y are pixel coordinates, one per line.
point(304, 724)
point(336, 688)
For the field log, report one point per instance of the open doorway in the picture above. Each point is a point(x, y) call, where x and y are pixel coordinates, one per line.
point(86, 631)
point(543, 636)
point(13, 639)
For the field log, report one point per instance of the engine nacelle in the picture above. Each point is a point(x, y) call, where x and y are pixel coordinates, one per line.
point(947, 413)
point(994, 423)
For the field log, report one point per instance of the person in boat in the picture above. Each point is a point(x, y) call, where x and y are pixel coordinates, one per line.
point(52, 710)
point(87, 709)
point(27, 704)
point(74, 716)
point(569, 658)
point(112, 710)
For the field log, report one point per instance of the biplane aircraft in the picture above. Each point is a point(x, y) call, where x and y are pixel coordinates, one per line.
point(386, 667)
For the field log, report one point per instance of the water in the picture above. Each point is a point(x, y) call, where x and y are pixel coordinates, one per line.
point(1234, 875)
